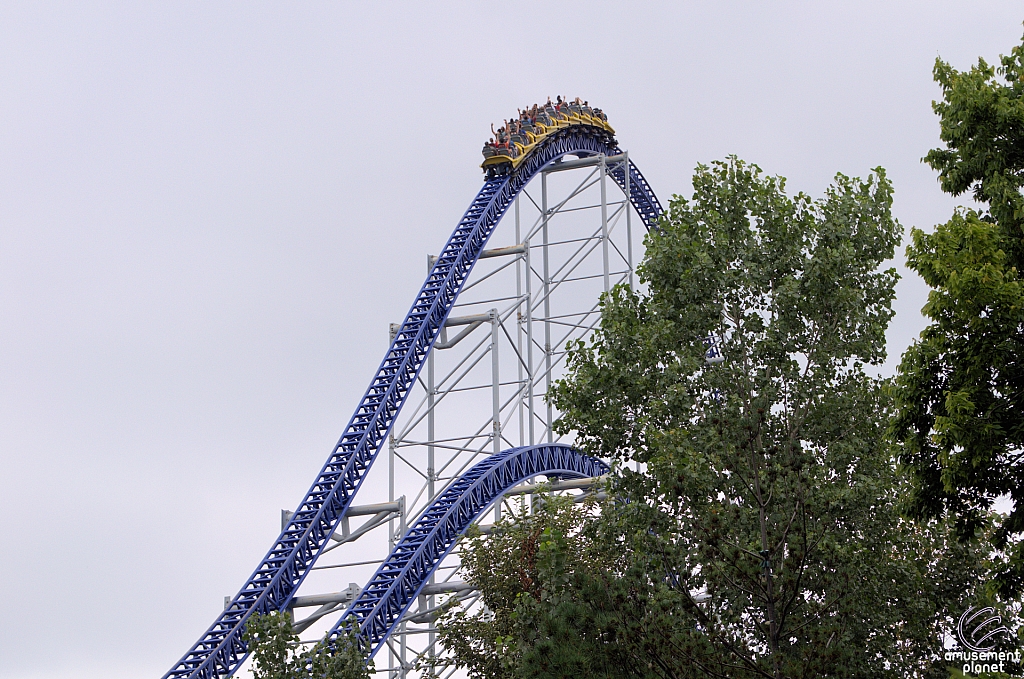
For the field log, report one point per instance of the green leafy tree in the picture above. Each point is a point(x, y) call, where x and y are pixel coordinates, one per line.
point(529, 571)
point(959, 392)
point(764, 535)
point(277, 653)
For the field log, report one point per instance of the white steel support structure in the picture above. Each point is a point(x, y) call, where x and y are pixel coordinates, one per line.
point(563, 244)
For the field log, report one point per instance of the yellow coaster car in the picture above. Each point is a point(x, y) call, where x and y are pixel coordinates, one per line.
point(546, 124)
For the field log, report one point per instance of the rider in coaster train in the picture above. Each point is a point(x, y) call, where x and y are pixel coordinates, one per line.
point(517, 135)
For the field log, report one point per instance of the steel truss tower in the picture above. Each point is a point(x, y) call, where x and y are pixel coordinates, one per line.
point(567, 239)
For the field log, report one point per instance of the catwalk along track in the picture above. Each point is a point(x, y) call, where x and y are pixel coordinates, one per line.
point(401, 577)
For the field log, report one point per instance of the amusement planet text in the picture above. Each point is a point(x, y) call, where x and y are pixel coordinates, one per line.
point(976, 662)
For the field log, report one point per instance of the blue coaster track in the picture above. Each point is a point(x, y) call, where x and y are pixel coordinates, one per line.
point(398, 581)
point(271, 586)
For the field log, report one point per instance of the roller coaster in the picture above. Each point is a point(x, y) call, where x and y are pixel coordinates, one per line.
point(482, 468)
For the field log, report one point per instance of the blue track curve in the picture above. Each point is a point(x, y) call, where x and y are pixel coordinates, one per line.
point(398, 581)
point(220, 650)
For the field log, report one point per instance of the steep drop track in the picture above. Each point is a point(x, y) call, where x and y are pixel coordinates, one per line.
point(271, 586)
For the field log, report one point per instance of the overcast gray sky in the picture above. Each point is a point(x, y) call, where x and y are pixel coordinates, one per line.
point(209, 212)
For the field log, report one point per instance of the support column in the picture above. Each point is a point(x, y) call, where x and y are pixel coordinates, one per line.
point(495, 395)
point(495, 384)
point(547, 301)
point(392, 536)
point(403, 645)
point(431, 433)
point(431, 490)
point(604, 221)
point(629, 223)
point(530, 413)
point(519, 331)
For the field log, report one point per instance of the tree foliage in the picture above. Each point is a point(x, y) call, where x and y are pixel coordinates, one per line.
point(762, 537)
point(959, 392)
point(536, 573)
point(770, 487)
point(277, 653)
